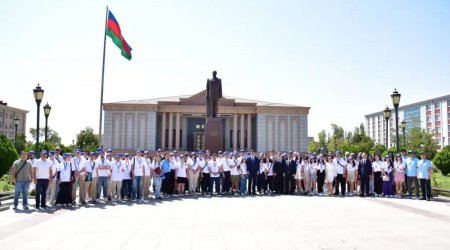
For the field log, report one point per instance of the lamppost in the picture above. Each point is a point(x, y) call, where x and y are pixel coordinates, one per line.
point(387, 116)
point(47, 110)
point(396, 102)
point(443, 142)
point(38, 95)
point(403, 132)
point(16, 124)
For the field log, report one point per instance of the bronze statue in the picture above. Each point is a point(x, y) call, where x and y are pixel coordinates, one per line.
point(213, 94)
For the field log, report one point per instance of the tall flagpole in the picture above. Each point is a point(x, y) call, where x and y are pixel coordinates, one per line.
point(103, 78)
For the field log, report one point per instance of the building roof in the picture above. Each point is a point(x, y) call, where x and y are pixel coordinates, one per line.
point(415, 104)
point(155, 101)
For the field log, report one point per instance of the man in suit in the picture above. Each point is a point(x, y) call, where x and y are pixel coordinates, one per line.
point(278, 169)
point(290, 169)
point(364, 173)
point(252, 169)
point(213, 94)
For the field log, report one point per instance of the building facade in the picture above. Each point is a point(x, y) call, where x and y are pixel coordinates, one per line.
point(433, 115)
point(178, 123)
point(7, 115)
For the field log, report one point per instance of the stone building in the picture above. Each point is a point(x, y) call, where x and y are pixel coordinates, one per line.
point(7, 116)
point(177, 123)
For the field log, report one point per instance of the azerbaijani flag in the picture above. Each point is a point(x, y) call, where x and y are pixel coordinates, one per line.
point(113, 31)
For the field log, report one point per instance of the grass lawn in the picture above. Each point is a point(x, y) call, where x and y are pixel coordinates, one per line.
point(442, 181)
point(5, 184)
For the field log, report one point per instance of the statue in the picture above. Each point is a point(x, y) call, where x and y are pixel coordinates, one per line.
point(213, 94)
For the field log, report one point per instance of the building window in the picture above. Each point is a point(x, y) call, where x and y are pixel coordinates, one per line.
point(437, 117)
point(428, 107)
point(436, 105)
point(199, 126)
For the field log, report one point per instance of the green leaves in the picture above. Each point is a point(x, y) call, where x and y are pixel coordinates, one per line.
point(8, 154)
point(442, 161)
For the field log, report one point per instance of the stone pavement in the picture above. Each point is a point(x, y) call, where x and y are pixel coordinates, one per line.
point(257, 222)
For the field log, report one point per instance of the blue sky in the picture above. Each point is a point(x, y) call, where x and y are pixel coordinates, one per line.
point(341, 58)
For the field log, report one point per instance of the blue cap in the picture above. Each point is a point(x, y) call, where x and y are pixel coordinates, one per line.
point(411, 151)
point(138, 150)
point(31, 153)
point(52, 152)
point(91, 153)
point(65, 155)
point(126, 154)
point(43, 152)
point(99, 150)
point(338, 152)
point(109, 150)
point(118, 155)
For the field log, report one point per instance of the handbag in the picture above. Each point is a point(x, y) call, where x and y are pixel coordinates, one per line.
point(385, 177)
point(88, 177)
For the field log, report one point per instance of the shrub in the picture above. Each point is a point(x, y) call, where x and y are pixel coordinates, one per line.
point(8, 155)
point(442, 161)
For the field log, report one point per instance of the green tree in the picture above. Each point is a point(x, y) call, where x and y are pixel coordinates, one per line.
point(442, 160)
point(313, 146)
point(322, 138)
point(377, 148)
point(21, 142)
point(419, 140)
point(86, 139)
point(52, 135)
point(8, 155)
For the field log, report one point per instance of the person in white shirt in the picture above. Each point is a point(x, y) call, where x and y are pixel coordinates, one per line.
point(399, 169)
point(243, 173)
point(127, 181)
point(377, 166)
point(91, 179)
point(138, 171)
point(214, 169)
point(77, 163)
point(156, 174)
point(54, 165)
point(306, 166)
point(313, 179)
point(66, 174)
point(340, 164)
point(42, 173)
point(103, 167)
point(194, 167)
point(226, 182)
point(117, 170)
point(234, 173)
point(262, 175)
point(329, 175)
point(320, 173)
point(147, 178)
point(352, 171)
point(206, 177)
point(181, 174)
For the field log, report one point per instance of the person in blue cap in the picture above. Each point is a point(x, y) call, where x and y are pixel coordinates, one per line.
point(66, 175)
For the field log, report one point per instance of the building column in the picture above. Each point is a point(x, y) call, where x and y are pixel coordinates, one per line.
point(249, 131)
point(170, 146)
point(177, 132)
point(235, 129)
point(242, 131)
point(163, 130)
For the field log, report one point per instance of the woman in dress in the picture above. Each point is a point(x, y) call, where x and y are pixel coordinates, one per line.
point(299, 173)
point(388, 177)
point(320, 174)
point(307, 175)
point(352, 170)
point(399, 174)
point(377, 166)
point(66, 174)
point(329, 175)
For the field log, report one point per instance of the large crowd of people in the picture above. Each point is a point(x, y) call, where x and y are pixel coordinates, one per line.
point(107, 177)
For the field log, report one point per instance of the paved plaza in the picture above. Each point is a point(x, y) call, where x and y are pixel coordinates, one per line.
point(256, 222)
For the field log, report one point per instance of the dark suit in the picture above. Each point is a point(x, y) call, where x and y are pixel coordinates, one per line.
point(252, 169)
point(289, 181)
point(364, 173)
point(278, 167)
point(213, 94)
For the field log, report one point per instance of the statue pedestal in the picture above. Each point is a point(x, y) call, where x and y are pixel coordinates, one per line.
point(214, 134)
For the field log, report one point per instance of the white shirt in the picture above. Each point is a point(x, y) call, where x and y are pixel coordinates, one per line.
point(117, 169)
point(214, 168)
point(351, 168)
point(103, 163)
point(377, 166)
point(195, 163)
point(90, 167)
point(321, 167)
point(204, 166)
point(147, 166)
point(127, 170)
point(243, 167)
point(399, 167)
point(65, 169)
point(339, 166)
point(54, 165)
point(42, 169)
point(77, 163)
point(138, 166)
point(225, 164)
point(263, 168)
point(181, 169)
point(386, 168)
point(234, 163)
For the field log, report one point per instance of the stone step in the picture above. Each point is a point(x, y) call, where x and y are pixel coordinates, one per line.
point(4, 198)
point(4, 207)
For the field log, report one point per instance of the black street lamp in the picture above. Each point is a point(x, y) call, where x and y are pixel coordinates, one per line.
point(396, 102)
point(47, 110)
point(16, 124)
point(387, 116)
point(38, 95)
point(403, 125)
